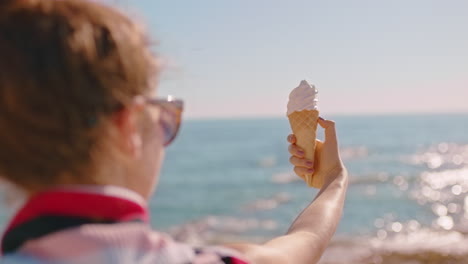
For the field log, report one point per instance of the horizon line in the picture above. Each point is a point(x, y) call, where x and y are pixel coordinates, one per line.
point(333, 115)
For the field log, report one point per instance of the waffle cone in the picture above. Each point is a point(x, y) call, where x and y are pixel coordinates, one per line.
point(304, 126)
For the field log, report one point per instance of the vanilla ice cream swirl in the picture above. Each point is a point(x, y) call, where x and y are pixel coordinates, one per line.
point(303, 97)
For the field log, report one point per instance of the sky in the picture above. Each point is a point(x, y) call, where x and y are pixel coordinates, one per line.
point(234, 59)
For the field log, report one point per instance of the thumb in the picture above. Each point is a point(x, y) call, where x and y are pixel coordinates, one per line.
point(330, 131)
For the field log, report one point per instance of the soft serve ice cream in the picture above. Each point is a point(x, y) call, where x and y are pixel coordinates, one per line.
point(303, 97)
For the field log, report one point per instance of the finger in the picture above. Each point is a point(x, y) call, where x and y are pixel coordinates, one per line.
point(296, 151)
point(330, 131)
point(301, 162)
point(301, 171)
point(291, 138)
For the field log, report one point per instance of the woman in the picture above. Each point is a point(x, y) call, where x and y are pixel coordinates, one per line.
point(82, 135)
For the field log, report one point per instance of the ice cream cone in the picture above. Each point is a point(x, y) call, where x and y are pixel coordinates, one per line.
point(304, 126)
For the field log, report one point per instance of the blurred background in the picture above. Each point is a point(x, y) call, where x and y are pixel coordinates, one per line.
point(392, 74)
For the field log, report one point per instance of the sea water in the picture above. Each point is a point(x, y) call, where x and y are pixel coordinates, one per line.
point(237, 172)
point(232, 178)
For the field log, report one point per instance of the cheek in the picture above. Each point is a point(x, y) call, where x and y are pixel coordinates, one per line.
point(154, 147)
point(151, 160)
point(159, 136)
point(152, 136)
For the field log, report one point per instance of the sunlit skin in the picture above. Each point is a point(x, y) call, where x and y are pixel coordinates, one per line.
point(310, 233)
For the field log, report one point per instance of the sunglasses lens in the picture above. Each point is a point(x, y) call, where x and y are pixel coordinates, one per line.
point(170, 125)
point(169, 117)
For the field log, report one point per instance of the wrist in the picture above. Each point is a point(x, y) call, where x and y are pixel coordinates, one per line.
point(338, 174)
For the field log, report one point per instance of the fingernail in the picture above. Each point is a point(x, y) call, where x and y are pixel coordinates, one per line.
point(321, 118)
point(309, 164)
point(310, 170)
point(289, 138)
point(300, 152)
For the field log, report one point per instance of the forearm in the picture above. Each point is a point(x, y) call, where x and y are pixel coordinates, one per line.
point(323, 215)
point(310, 233)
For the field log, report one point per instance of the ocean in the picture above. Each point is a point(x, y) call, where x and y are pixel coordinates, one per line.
point(230, 180)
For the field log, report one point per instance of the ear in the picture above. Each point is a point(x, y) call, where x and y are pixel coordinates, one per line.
point(125, 121)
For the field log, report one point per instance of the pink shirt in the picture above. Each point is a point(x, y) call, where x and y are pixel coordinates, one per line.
point(96, 224)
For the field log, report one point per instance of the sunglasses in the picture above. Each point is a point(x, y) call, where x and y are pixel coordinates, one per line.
point(170, 116)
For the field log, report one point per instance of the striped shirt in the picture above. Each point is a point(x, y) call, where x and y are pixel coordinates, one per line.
point(105, 224)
